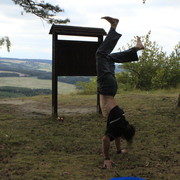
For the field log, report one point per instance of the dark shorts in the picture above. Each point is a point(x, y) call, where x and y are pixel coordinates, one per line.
point(107, 85)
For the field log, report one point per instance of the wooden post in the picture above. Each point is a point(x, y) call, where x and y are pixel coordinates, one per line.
point(100, 40)
point(54, 79)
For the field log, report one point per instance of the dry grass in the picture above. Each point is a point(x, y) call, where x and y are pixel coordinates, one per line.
point(38, 148)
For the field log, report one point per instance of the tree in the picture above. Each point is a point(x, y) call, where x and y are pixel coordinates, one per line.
point(167, 74)
point(4, 41)
point(154, 69)
point(87, 87)
point(45, 11)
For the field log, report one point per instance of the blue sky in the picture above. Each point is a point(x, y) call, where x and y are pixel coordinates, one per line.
point(30, 37)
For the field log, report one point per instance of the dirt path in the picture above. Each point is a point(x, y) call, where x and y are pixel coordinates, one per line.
point(31, 107)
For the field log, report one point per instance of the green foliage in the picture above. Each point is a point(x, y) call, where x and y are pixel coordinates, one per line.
point(88, 87)
point(168, 73)
point(125, 82)
point(73, 79)
point(4, 74)
point(154, 69)
point(4, 41)
point(6, 92)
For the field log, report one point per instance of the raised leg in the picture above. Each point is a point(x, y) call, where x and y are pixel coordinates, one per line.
point(128, 55)
point(107, 84)
point(124, 56)
point(102, 60)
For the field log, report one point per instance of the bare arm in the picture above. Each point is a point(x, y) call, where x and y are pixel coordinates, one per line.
point(105, 148)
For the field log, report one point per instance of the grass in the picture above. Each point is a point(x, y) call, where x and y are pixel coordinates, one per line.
point(34, 83)
point(38, 148)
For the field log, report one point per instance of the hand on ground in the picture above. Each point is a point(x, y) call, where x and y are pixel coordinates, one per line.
point(108, 164)
point(124, 151)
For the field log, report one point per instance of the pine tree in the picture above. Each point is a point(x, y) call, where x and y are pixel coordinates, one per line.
point(4, 41)
point(45, 11)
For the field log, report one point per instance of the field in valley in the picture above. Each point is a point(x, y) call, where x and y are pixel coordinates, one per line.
point(34, 83)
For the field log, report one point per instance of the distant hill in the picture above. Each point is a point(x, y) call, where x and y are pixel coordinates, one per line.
point(29, 77)
point(40, 68)
point(34, 60)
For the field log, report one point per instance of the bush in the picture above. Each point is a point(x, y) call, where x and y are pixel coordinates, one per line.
point(154, 69)
point(87, 87)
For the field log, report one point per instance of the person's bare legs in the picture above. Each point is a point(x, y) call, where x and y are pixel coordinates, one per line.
point(107, 103)
point(112, 21)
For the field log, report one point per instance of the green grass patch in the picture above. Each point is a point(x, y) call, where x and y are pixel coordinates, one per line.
point(38, 147)
point(34, 83)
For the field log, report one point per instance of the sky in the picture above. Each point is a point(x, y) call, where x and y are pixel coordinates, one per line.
point(30, 36)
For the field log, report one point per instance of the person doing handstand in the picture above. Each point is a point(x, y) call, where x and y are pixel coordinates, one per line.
point(117, 126)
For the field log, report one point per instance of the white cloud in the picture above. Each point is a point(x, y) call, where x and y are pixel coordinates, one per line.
point(30, 38)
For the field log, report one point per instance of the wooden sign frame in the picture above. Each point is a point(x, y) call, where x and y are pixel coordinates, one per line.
point(73, 57)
